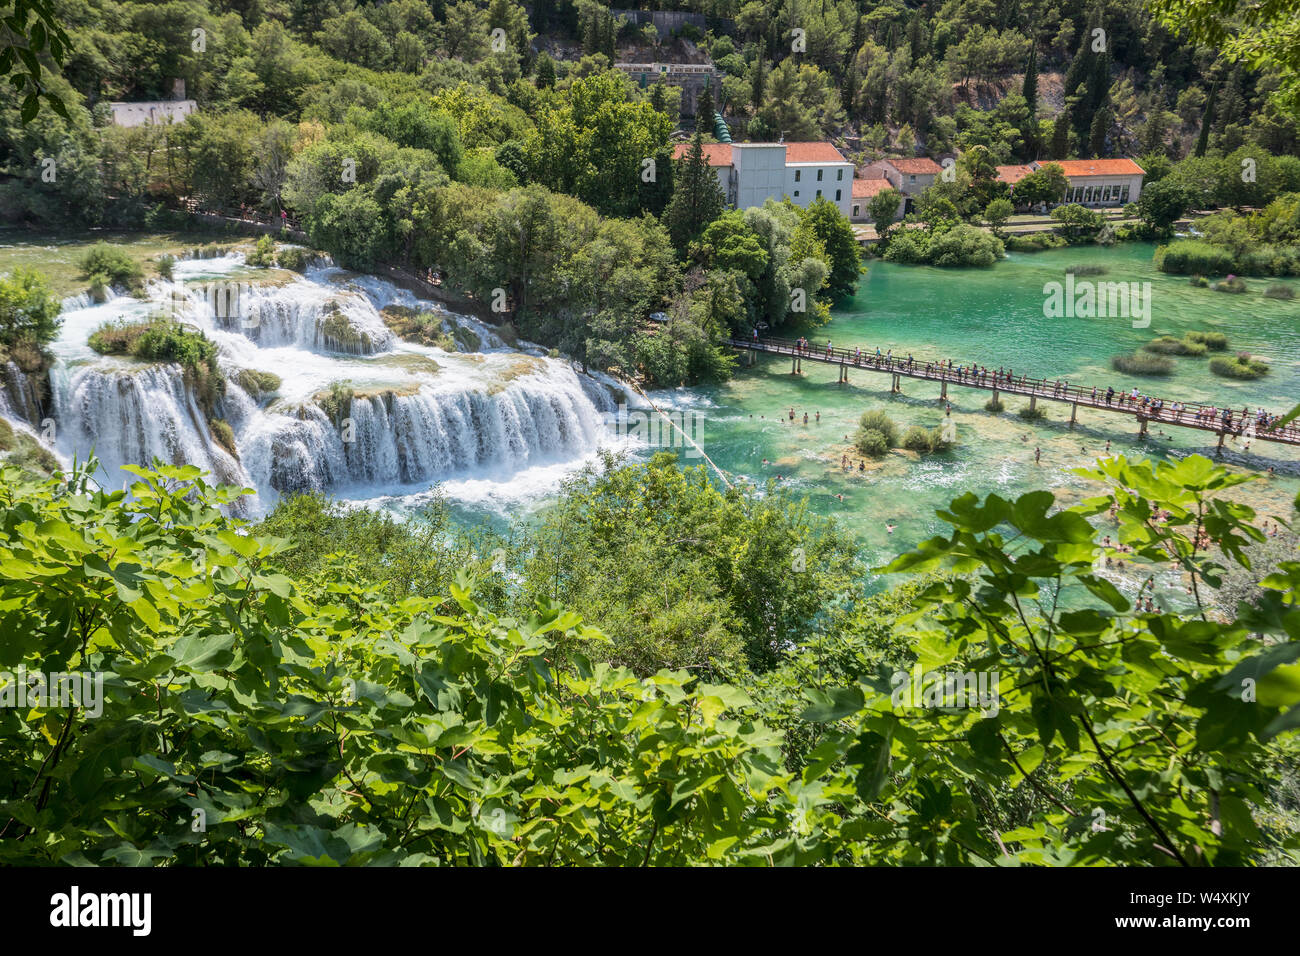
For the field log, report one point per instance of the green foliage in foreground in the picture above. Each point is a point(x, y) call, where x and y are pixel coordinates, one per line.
point(317, 721)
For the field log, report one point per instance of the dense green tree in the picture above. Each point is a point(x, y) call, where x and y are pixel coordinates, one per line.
point(836, 236)
point(697, 197)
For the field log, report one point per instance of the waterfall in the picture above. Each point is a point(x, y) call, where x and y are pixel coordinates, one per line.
point(357, 411)
point(130, 415)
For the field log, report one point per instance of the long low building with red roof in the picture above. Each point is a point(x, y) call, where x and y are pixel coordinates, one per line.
point(1101, 182)
point(751, 173)
point(1093, 182)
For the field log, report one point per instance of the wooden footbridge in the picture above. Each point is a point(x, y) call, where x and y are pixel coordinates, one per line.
point(1222, 422)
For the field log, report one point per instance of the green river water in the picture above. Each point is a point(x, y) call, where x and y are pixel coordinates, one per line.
point(995, 317)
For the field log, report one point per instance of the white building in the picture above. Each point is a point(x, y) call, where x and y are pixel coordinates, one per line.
point(158, 111)
point(173, 110)
point(751, 173)
point(1101, 182)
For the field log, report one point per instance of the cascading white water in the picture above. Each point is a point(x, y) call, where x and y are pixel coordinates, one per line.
point(400, 416)
point(130, 415)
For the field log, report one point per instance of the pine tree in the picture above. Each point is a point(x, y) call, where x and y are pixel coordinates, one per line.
point(1097, 133)
point(607, 38)
point(849, 95)
point(1203, 139)
point(697, 198)
point(659, 97)
point(704, 110)
point(1061, 136)
point(758, 80)
point(1030, 88)
point(1030, 91)
point(545, 72)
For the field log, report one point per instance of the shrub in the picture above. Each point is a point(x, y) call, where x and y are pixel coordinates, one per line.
point(161, 339)
point(166, 263)
point(99, 285)
point(877, 420)
point(1240, 366)
point(115, 265)
point(994, 405)
point(1034, 243)
point(965, 245)
point(1168, 345)
point(337, 401)
point(1199, 281)
point(924, 440)
point(1214, 341)
point(295, 258)
point(1031, 414)
point(1230, 284)
point(29, 312)
point(1085, 270)
point(1279, 291)
point(872, 443)
point(263, 255)
point(1194, 257)
point(1142, 363)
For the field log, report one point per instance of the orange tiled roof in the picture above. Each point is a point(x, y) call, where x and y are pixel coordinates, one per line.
point(866, 188)
point(716, 154)
point(1099, 167)
point(1013, 174)
point(719, 154)
point(923, 166)
point(822, 152)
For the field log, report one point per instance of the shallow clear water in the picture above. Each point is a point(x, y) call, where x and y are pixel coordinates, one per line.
point(995, 317)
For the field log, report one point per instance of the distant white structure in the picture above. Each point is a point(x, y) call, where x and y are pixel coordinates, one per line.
point(173, 110)
point(751, 173)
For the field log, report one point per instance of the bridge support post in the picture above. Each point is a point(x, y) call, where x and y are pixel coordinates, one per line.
point(1033, 402)
point(1142, 431)
point(1074, 413)
point(1219, 450)
point(943, 390)
point(995, 397)
point(897, 387)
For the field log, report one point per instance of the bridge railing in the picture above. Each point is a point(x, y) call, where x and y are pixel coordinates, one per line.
point(1191, 413)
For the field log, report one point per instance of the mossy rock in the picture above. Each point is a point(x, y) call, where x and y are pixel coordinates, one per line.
point(224, 436)
point(420, 328)
point(21, 450)
point(340, 335)
point(257, 384)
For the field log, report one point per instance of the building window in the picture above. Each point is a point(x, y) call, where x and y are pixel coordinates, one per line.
point(1123, 194)
point(855, 211)
point(837, 195)
point(839, 175)
point(911, 179)
point(819, 194)
point(819, 175)
point(796, 194)
point(797, 174)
